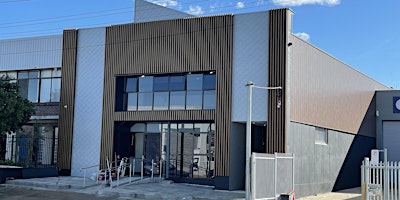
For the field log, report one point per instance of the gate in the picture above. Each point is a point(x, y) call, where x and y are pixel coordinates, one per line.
point(380, 180)
point(272, 175)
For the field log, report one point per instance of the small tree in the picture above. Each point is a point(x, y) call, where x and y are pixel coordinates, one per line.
point(15, 111)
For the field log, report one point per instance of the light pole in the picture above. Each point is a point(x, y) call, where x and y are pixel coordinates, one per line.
point(250, 86)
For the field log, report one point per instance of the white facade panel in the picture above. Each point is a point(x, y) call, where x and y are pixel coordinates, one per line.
point(31, 53)
point(88, 100)
point(250, 63)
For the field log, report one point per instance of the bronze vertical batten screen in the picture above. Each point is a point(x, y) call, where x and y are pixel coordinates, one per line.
point(277, 69)
point(67, 98)
point(171, 46)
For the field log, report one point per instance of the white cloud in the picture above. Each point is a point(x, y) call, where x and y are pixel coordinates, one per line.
point(303, 2)
point(303, 36)
point(165, 3)
point(239, 5)
point(196, 10)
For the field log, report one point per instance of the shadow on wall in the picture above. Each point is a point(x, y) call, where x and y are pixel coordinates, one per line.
point(350, 172)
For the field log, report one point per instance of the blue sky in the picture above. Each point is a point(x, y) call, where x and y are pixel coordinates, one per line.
point(364, 34)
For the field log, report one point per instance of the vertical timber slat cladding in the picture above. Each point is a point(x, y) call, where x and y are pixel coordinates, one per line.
point(277, 53)
point(171, 46)
point(67, 96)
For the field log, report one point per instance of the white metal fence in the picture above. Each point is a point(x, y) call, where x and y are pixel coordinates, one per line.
point(380, 181)
point(272, 175)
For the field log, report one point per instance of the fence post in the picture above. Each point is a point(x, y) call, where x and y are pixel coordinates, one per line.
point(386, 174)
point(275, 173)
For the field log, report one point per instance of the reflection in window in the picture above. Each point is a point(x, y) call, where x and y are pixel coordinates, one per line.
point(45, 88)
point(177, 100)
point(169, 92)
point(146, 84)
point(39, 86)
point(194, 100)
point(132, 101)
point(145, 101)
point(177, 83)
point(161, 83)
point(194, 81)
point(131, 85)
point(209, 99)
point(161, 100)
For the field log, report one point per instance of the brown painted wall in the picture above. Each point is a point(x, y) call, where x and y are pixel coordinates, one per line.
point(182, 45)
point(326, 92)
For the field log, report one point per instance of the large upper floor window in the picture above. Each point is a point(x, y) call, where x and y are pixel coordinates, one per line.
point(192, 91)
point(38, 85)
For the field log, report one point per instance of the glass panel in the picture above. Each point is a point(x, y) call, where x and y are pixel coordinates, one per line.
point(203, 127)
point(146, 84)
point(145, 101)
point(131, 85)
point(209, 99)
point(55, 89)
point(154, 128)
point(34, 74)
point(22, 75)
point(45, 87)
point(194, 100)
point(209, 82)
point(194, 81)
point(161, 83)
point(33, 91)
point(57, 73)
point(12, 75)
point(23, 88)
point(45, 74)
point(132, 101)
point(177, 83)
point(161, 100)
point(177, 100)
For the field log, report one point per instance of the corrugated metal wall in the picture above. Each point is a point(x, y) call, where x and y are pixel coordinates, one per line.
point(277, 66)
point(29, 53)
point(67, 98)
point(326, 92)
point(182, 45)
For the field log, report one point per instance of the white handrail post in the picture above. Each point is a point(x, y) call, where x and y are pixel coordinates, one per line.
point(152, 168)
point(130, 172)
point(141, 171)
point(84, 177)
point(161, 161)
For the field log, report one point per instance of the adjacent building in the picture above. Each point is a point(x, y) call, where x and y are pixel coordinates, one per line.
point(172, 86)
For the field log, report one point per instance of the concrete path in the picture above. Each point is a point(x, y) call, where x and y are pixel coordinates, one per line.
point(139, 189)
point(152, 189)
point(349, 194)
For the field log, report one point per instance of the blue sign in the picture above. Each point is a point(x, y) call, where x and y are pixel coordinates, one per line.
point(396, 104)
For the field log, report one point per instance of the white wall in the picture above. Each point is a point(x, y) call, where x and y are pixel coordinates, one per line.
point(88, 100)
point(31, 53)
point(250, 63)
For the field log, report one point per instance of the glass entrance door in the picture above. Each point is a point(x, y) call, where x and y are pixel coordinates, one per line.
point(192, 154)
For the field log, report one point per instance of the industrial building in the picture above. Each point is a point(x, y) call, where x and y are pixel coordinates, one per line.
point(172, 86)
